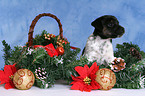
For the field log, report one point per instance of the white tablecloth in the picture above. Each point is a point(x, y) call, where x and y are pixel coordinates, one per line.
point(62, 89)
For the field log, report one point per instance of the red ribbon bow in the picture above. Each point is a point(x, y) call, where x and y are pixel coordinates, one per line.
point(49, 48)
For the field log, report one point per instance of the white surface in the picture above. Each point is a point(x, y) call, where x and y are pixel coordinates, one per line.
point(64, 90)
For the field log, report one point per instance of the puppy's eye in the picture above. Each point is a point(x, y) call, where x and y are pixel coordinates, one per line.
point(110, 25)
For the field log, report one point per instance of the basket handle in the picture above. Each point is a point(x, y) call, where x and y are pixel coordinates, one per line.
point(31, 30)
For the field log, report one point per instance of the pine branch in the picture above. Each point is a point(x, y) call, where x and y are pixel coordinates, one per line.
point(7, 50)
point(131, 76)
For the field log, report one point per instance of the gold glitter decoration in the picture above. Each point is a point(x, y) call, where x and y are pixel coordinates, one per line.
point(106, 78)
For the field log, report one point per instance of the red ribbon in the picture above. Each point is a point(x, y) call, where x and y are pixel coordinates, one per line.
point(73, 47)
point(49, 48)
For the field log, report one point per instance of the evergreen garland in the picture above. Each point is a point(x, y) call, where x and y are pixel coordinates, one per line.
point(34, 59)
point(123, 51)
point(49, 69)
point(40, 39)
point(7, 50)
point(132, 76)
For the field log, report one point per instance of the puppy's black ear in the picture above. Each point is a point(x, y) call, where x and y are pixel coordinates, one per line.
point(98, 24)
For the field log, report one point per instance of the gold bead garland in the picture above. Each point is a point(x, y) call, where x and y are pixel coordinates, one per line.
point(49, 36)
point(59, 40)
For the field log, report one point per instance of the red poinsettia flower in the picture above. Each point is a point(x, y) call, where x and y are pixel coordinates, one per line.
point(6, 76)
point(86, 80)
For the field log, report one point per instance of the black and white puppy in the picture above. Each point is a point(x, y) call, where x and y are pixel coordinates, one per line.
point(99, 44)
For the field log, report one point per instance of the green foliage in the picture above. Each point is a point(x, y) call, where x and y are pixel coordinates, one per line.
point(142, 54)
point(123, 52)
point(7, 50)
point(69, 68)
point(40, 39)
point(11, 56)
point(62, 66)
point(131, 76)
point(39, 58)
point(32, 59)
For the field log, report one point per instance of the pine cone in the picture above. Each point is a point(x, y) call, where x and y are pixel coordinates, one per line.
point(118, 64)
point(41, 73)
point(135, 53)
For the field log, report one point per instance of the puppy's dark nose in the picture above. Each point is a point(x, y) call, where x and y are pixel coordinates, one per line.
point(121, 32)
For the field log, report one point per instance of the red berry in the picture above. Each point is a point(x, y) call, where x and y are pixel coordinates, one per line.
point(60, 50)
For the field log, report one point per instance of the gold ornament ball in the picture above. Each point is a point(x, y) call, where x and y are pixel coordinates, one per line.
point(106, 78)
point(23, 79)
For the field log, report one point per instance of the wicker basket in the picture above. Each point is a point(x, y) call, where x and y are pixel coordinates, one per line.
point(31, 30)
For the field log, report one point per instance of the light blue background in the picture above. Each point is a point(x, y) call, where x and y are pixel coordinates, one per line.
point(76, 17)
